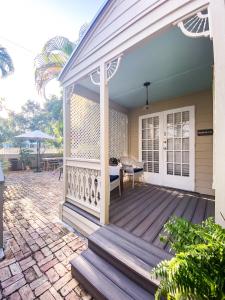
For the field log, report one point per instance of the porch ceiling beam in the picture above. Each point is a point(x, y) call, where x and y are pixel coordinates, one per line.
point(164, 16)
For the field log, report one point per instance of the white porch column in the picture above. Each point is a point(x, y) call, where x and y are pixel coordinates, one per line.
point(217, 27)
point(67, 93)
point(104, 145)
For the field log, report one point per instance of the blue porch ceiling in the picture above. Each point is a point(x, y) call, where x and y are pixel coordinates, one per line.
point(175, 65)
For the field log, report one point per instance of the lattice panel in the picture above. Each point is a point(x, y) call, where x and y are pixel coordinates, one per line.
point(83, 186)
point(85, 130)
point(118, 123)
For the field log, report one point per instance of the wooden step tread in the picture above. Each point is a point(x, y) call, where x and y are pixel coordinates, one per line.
point(151, 248)
point(103, 281)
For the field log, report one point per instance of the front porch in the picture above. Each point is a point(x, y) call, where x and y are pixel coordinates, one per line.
point(123, 253)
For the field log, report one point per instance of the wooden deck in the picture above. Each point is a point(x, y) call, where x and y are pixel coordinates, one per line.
point(144, 210)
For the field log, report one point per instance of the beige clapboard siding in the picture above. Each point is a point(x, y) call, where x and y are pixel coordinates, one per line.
point(203, 144)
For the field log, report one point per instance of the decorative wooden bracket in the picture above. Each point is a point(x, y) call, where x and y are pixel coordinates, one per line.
point(196, 25)
point(111, 67)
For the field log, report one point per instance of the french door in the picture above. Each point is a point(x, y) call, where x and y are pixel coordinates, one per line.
point(167, 147)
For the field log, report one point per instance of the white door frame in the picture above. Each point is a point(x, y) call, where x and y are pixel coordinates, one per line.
point(162, 178)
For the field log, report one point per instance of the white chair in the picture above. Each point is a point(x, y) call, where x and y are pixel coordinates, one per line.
point(114, 173)
point(132, 168)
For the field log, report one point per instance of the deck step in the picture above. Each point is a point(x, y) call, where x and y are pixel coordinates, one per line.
point(104, 281)
point(129, 254)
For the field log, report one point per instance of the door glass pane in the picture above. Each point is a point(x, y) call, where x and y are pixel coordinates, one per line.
point(170, 144)
point(185, 170)
point(169, 156)
point(177, 144)
point(177, 131)
point(170, 169)
point(177, 118)
point(185, 130)
point(185, 145)
point(144, 155)
point(156, 167)
point(185, 157)
point(177, 169)
point(170, 131)
point(170, 119)
point(177, 157)
point(156, 155)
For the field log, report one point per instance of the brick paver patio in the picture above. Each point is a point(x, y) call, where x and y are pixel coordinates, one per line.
point(38, 247)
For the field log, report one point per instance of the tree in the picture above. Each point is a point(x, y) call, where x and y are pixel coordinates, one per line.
point(6, 64)
point(53, 57)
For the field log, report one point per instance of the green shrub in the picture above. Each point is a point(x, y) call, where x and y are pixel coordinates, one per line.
point(198, 269)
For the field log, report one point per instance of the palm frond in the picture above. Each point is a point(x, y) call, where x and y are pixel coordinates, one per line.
point(51, 60)
point(6, 64)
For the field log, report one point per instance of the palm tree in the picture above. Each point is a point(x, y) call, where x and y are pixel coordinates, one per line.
point(6, 64)
point(53, 57)
point(51, 60)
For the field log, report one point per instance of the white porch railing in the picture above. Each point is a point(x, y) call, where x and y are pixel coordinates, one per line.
point(83, 184)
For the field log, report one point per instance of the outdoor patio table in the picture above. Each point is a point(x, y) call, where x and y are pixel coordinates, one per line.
point(49, 160)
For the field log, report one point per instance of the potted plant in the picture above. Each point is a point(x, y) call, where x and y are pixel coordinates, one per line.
point(25, 158)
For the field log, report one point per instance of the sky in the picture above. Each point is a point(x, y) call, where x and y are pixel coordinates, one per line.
point(25, 26)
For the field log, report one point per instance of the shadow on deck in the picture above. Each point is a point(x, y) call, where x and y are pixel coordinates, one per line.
point(144, 210)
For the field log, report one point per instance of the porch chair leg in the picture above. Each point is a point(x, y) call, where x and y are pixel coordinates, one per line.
point(119, 190)
point(133, 182)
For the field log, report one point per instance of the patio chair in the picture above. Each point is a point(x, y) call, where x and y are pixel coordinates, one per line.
point(114, 173)
point(132, 168)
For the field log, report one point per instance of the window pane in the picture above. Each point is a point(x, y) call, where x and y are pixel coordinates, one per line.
point(150, 167)
point(144, 145)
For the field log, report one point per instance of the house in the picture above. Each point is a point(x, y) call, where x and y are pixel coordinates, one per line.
point(178, 47)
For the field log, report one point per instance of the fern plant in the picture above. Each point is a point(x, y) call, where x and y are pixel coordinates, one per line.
point(198, 269)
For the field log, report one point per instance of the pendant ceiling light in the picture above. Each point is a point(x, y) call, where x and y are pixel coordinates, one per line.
point(147, 84)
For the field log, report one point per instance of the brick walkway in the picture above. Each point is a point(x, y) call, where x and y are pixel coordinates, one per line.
point(38, 247)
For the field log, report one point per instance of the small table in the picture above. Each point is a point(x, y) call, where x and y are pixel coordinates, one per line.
point(48, 161)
